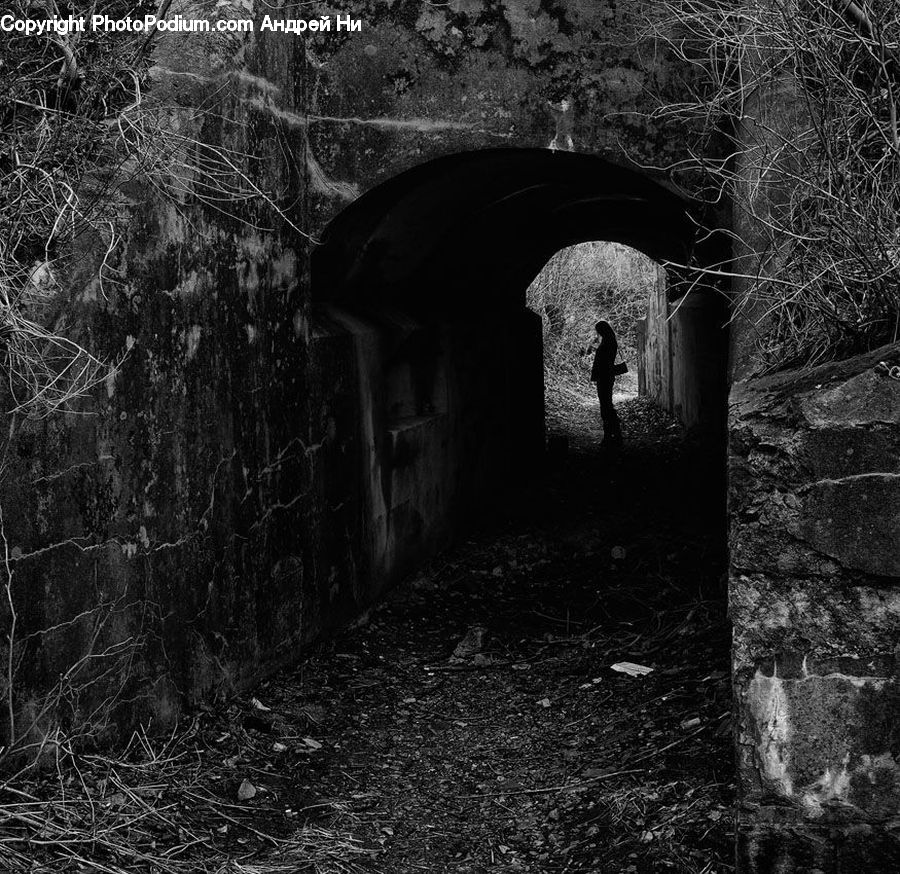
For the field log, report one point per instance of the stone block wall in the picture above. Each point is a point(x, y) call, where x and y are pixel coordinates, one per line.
point(814, 494)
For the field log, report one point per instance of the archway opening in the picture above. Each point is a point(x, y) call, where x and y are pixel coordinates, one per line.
point(427, 278)
point(578, 286)
point(427, 306)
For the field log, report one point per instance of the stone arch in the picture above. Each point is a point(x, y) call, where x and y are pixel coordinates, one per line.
point(421, 283)
point(476, 227)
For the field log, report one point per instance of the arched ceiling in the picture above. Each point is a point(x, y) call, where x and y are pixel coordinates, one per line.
point(474, 228)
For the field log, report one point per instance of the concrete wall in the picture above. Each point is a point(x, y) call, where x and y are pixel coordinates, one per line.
point(437, 418)
point(682, 351)
point(152, 530)
point(199, 505)
point(423, 80)
point(655, 348)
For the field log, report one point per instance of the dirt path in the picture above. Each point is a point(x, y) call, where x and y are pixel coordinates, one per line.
point(525, 751)
point(529, 753)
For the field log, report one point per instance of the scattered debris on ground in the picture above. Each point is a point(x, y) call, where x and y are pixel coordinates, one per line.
point(550, 696)
point(221, 795)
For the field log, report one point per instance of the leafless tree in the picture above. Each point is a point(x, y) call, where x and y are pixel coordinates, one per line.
point(804, 95)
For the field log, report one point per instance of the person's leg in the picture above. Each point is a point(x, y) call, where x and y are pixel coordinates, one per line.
point(612, 429)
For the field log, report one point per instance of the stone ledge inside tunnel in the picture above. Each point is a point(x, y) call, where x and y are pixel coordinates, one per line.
point(682, 352)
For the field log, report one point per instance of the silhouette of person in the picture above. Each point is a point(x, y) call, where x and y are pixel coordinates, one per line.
point(602, 374)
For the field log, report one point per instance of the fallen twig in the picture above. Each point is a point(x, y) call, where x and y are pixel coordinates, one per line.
point(456, 668)
point(564, 787)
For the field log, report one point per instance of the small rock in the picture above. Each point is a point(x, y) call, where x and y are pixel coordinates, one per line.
point(631, 669)
point(246, 791)
point(471, 643)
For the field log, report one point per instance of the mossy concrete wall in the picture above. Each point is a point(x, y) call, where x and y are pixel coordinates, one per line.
point(424, 79)
point(196, 513)
point(814, 514)
point(152, 530)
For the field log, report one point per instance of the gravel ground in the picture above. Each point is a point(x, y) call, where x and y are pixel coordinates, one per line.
point(476, 724)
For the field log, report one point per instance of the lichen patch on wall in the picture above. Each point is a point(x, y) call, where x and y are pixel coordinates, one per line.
point(770, 706)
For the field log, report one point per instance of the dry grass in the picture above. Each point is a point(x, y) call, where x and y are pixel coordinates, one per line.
point(58, 96)
point(161, 806)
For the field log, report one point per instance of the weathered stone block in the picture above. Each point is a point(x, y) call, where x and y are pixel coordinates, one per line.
point(856, 521)
point(822, 735)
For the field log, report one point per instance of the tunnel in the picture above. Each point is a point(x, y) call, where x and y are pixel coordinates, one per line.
point(419, 304)
point(473, 229)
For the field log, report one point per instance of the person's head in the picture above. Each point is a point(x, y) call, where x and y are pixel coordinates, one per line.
point(604, 330)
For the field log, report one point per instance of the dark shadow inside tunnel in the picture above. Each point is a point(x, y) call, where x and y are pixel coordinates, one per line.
point(471, 230)
point(433, 427)
point(436, 405)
